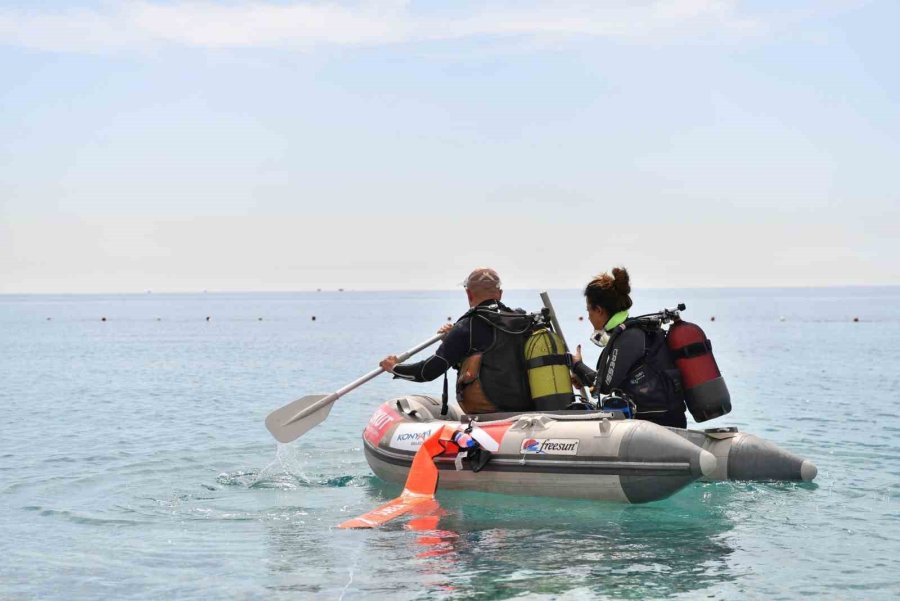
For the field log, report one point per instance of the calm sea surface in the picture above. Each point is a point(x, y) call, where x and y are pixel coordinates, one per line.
point(134, 463)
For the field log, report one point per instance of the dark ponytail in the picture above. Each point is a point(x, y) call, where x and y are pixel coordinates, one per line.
point(610, 292)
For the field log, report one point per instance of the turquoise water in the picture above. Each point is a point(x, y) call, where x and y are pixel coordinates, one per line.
point(134, 463)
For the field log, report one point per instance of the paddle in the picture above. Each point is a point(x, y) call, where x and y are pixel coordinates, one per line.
point(546, 298)
point(296, 419)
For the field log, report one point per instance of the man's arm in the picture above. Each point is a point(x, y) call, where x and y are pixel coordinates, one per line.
point(453, 349)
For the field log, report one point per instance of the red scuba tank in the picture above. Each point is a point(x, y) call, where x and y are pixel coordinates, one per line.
point(705, 392)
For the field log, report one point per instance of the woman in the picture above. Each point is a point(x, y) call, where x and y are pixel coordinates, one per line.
point(635, 358)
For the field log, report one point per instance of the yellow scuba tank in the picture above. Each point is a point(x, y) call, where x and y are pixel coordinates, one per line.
point(548, 370)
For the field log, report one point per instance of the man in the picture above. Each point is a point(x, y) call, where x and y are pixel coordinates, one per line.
point(486, 346)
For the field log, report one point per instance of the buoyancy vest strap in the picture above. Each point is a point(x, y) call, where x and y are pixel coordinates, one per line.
point(527, 324)
point(445, 401)
point(693, 350)
point(547, 360)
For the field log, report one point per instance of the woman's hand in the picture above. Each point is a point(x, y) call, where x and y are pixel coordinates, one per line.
point(388, 363)
point(445, 328)
point(576, 356)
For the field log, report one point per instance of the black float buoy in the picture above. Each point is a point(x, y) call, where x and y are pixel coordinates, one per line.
point(713, 318)
point(581, 318)
point(856, 320)
point(207, 318)
point(102, 319)
point(313, 317)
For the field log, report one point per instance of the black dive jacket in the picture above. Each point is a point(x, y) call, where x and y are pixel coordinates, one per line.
point(499, 333)
point(503, 374)
point(637, 361)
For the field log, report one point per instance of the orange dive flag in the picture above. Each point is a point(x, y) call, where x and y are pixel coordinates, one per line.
point(420, 483)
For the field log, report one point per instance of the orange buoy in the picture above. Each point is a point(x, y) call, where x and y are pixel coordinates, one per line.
point(421, 484)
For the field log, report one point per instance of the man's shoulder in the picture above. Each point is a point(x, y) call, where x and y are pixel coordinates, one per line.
point(460, 328)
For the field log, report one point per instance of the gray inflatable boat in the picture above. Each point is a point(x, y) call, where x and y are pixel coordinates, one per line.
point(595, 455)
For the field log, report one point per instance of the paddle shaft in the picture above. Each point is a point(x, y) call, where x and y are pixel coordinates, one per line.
point(546, 300)
point(359, 382)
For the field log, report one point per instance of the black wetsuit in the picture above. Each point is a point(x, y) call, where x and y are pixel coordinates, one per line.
point(465, 338)
point(636, 362)
point(502, 368)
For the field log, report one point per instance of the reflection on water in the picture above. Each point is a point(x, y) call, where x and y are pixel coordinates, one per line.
point(507, 546)
point(499, 546)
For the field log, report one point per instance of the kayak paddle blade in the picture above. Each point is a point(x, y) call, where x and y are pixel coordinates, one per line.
point(284, 430)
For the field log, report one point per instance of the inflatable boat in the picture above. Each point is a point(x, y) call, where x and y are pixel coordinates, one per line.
point(584, 454)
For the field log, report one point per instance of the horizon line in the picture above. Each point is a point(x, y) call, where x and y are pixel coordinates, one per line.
point(375, 290)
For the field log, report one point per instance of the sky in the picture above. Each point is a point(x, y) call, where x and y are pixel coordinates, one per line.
point(276, 145)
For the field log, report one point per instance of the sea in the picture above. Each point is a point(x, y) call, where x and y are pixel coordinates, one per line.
point(135, 464)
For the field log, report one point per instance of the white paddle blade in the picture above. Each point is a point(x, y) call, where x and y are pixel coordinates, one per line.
point(277, 421)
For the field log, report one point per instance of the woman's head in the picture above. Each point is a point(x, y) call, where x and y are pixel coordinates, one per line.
point(606, 295)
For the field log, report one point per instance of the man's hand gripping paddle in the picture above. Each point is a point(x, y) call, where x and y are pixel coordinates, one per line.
point(422, 481)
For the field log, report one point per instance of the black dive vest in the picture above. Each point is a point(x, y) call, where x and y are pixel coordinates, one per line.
point(503, 376)
point(654, 382)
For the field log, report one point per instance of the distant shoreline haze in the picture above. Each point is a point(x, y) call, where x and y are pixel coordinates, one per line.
point(636, 290)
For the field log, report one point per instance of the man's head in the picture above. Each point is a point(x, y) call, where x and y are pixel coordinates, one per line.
point(481, 285)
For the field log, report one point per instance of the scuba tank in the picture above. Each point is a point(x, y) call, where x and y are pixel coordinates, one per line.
point(548, 369)
point(525, 344)
point(705, 392)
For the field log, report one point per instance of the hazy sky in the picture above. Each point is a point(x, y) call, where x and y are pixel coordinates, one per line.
point(249, 145)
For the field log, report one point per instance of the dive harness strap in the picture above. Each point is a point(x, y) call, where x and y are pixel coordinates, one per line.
point(444, 400)
point(693, 350)
point(549, 360)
